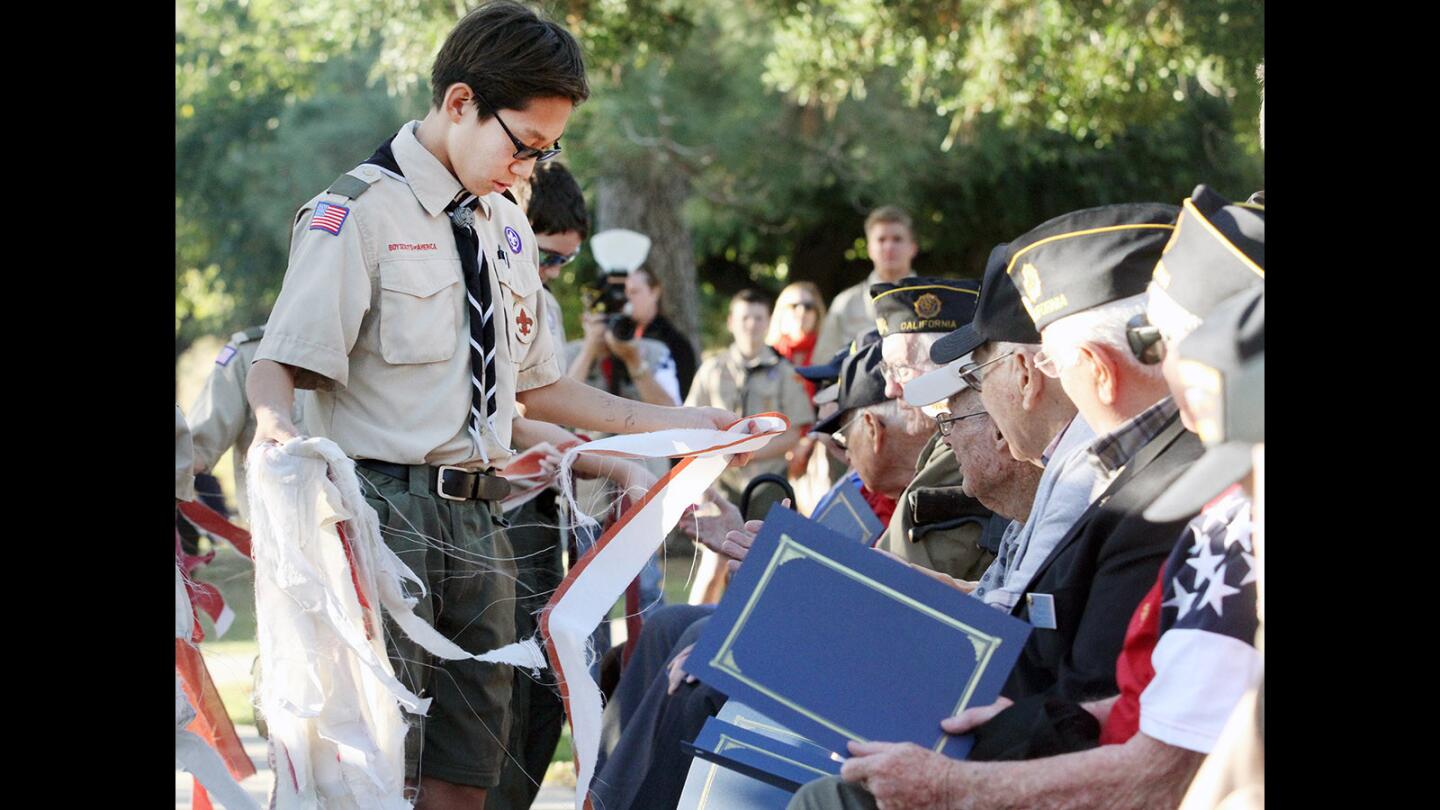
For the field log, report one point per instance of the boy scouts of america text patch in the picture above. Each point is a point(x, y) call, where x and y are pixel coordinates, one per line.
point(225, 355)
point(329, 218)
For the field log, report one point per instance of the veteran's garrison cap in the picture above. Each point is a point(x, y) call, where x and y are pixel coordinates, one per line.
point(1080, 260)
point(1222, 366)
point(824, 374)
point(998, 315)
point(1217, 250)
point(920, 304)
point(861, 384)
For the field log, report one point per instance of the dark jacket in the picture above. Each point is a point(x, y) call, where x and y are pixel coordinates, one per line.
point(1097, 575)
point(680, 348)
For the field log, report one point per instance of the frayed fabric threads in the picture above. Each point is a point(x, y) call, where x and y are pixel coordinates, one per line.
point(322, 576)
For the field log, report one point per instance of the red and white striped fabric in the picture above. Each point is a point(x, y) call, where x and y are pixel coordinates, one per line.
point(599, 578)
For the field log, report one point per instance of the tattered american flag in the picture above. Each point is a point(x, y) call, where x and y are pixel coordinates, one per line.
point(329, 217)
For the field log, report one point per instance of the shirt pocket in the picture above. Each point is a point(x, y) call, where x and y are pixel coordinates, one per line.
point(519, 281)
point(418, 310)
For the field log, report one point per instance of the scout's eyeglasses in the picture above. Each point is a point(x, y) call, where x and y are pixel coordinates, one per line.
point(522, 152)
point(944, 422)
point(1145, 340)
point(549, 258)
point(971, 375)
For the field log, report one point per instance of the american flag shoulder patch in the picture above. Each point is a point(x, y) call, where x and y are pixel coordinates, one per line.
point(329, 217)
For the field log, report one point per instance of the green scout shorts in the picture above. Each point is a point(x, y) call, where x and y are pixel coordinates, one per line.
point(466, 563)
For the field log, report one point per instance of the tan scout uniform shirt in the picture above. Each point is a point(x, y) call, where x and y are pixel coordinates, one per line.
point(766, 383)
point(184, 459)
point(554, 320)
point(956, 551)
point(850, 315)
point(220, 416)
point(375, 319)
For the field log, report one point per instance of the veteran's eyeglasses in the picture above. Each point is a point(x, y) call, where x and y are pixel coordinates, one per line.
point(944, 422)
point(971, 375)
point(522, 152)
point(838, 437)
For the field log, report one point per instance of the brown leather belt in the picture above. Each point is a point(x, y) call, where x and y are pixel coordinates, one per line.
point(450, 483)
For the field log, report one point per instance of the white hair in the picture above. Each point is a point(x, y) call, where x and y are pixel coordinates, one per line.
point(1103, 325)
point(1174, 321)
point(887, 412)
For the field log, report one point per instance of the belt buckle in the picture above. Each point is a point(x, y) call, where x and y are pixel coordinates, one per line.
point(440, 481)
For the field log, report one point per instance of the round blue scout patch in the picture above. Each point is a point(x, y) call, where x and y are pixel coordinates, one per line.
point(513, 238)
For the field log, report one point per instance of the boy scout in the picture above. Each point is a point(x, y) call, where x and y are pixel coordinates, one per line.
point(411, 306)
point(221, 417)
point(751, 378)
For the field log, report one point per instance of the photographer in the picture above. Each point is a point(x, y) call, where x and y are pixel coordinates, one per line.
point(613, 358)
point(644, 292)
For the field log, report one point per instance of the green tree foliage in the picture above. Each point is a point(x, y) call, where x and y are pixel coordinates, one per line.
point(1084, 67)
point(788, 122)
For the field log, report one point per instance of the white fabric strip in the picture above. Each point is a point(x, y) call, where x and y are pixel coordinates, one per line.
point(599, 578)
point(329, 694)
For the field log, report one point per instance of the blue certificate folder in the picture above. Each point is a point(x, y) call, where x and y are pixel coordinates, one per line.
point(844, 511)
point(838, 642)
point(758, 756)
point(708, 786)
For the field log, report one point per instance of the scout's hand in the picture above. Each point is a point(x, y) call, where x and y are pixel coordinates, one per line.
point(974, 717)
point(273, 427)
point(626, 351)
point(902, 776)
point(719, 419)
point(677, 673)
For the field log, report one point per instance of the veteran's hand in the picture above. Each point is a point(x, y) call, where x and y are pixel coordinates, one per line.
point(901, 776)
point(709, 530)
point(961, 585)
point(974, 717)
point(737, 543)
point(677, 672)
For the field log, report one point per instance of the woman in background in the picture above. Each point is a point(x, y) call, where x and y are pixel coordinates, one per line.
point(795, 325)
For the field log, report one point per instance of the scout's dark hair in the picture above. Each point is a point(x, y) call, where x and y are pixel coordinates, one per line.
point(509, 55)
point(556, 203)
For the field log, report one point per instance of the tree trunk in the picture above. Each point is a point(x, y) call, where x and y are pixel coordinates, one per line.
point(649, 196)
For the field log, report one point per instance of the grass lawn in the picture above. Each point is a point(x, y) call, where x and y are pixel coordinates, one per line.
point(229, 657)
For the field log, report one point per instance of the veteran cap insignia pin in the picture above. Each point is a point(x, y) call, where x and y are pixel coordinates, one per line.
point(928, 305)
point(1030, 277)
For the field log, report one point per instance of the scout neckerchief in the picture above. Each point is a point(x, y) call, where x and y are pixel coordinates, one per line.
point(476, 271)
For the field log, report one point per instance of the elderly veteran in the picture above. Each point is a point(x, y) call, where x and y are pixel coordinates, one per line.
point(1224, 360)
point(1029, 411)
point(936, 525)
point(1078, 276)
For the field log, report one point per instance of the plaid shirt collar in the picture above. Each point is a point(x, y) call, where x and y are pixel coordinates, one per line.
point(1112, 451)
